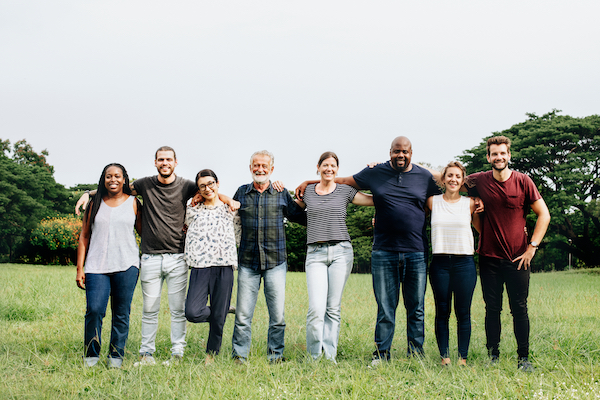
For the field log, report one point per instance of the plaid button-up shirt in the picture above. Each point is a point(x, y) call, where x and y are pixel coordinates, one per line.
point(263, 232)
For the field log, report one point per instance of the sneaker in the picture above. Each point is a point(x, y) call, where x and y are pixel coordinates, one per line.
point(175, 359)
point(145, 359)
point(239, 360)
point(231, 310)
point(90, 361)
point(378, 359)
point(524, 365)
point(113, 362)
point(494, 361)
point(277, 360)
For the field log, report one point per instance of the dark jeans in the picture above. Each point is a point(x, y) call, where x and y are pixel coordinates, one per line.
point(119, 287)
point(390, 269)
point(453, 275)
point(494, 274)
point(216, 283)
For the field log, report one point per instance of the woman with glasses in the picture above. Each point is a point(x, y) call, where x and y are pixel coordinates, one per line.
point(210, 252)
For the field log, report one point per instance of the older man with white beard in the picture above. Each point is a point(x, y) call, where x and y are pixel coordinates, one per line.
point(262, 255)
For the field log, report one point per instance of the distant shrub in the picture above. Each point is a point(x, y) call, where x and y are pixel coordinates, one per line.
point(55, 240)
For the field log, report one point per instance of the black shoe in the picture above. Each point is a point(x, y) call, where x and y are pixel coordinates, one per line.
point(277, 360)
point(231, 310)
point(494, 361)
point(524, 365)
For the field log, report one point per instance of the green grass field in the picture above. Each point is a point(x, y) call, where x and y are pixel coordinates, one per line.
point(41, 344)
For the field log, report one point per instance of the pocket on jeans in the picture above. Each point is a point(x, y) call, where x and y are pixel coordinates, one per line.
point(346, 245)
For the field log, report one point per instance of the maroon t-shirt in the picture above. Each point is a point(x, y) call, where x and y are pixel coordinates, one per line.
point(506, 206)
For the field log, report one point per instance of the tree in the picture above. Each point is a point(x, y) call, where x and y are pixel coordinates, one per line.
point(28, 193)
point(560, 153)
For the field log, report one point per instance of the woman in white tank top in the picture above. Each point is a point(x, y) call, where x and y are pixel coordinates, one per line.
point(452, 270)
point(108, 262)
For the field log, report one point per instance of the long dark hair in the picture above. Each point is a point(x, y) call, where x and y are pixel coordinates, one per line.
point(94, 205)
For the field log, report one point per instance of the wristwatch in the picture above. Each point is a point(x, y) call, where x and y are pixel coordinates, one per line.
point(535, 244)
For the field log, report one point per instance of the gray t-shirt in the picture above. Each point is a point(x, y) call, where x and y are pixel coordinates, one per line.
point(163, 214)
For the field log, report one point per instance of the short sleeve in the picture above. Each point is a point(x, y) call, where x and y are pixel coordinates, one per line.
point(363, 178)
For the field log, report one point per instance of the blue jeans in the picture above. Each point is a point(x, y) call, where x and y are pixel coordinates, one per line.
point(453, 275)
point(119, 286)
point(248, 287)
point(328, 267)
point(390, 269)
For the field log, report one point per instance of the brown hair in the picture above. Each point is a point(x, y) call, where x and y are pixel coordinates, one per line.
point(451, 164)
point(498, 140)
point(165, 148)
point(327, 155)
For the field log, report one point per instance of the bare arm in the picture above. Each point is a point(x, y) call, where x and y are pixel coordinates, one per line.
point(475, 216)
point(233, 205)
point(349, 180)
point(300, 203)
point(541, 226)
point(363, 199)
point(84, 241)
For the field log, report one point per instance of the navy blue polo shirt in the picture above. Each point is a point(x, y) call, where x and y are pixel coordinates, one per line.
point(399, 199)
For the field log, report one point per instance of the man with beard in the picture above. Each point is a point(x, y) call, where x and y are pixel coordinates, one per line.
point(399, 190)
point(262, 255)
point(163, 243)
point(504, 254)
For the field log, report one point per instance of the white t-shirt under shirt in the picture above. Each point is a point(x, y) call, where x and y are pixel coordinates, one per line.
point(451, 226)
point(326, 214)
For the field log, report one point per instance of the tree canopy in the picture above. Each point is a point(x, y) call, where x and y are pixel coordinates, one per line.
point(561, 154)
point(28, 193)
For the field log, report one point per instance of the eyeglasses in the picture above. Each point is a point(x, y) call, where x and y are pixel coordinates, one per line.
point(210, 185)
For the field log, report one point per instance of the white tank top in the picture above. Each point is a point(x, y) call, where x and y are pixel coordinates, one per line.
point(112, 245)
point(451, 227)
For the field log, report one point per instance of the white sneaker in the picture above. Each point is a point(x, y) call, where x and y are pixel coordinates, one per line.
point(175, 359)
point(90, 361)
point(112, 362)
point(146, 359)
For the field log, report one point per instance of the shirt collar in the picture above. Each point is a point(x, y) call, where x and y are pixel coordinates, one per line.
point(252, 188)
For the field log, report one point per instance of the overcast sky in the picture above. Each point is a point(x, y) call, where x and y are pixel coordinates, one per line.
point(111, 81)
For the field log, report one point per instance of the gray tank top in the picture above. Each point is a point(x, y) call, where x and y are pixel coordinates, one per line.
point(112, 245)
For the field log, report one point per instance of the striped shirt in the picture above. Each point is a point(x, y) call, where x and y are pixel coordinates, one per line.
point(262, 245)
point(451, 227)
point(326, 214)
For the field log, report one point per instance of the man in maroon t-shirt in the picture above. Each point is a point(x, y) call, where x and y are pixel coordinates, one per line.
point(504, 253)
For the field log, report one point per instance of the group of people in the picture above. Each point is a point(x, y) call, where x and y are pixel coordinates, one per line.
point(203, 236)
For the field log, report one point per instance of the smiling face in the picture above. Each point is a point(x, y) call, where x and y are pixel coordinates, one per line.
point(401, 154)
point(113, 180)
point(328, 169)
point(209, 187)
point(165, 163)
point(261, 168)
point(499, 156)
point(453, 179)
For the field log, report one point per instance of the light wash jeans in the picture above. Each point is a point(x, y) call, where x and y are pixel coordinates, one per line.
point(172, 269)
point(390, 270)
point(328, 267)
point(248, 287)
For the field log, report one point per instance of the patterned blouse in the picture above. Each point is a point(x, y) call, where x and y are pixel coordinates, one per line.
point(211, 236)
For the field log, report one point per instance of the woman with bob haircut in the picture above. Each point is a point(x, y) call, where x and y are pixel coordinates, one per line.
point(329, 255)
point(210, 251)
point(108, 260)
point(452, 270)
